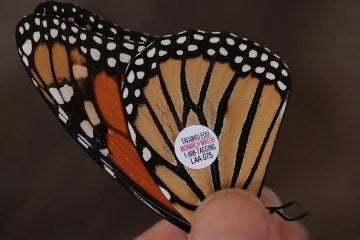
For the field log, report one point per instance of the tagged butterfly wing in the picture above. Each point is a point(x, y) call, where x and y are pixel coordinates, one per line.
point(230, 85)
point(89, 20)
point(79, 74)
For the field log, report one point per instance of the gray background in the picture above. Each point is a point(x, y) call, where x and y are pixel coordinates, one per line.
point(51, 189)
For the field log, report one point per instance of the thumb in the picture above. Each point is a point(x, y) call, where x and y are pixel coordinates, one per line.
point(230, 214)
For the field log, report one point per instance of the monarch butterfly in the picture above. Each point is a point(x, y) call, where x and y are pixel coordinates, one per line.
point(124, 97)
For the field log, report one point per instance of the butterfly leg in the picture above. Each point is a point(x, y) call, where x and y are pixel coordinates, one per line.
point(278, 210)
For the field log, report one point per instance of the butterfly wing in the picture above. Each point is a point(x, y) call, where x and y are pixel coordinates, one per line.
point(89, 20)
point(79, 75)
point(233, 86)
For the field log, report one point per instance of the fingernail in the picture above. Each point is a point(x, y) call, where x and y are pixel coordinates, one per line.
point(230, 214)
point(269, 198)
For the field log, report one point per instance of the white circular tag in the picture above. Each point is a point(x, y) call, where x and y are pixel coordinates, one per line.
point(196, 146)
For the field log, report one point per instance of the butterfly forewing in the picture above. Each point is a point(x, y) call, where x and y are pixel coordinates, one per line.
point(233, 86)
point(89, 20)
point(79, 74)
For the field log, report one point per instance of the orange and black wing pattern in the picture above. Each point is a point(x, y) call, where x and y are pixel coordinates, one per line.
point(232, 86)
point(79, 74)
point(129, 98)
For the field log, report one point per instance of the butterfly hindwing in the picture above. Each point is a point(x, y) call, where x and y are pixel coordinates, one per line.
point(233, 86)
point(79, 74)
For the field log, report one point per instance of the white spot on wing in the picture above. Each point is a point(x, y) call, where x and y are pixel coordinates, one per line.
point(259, 69)
point(274, 64)
point(270, 76)
point(36, 36)
point(165, 192)
point(83, 36)
point(129, 108)
point(245, 68)
point(238, 59)
point(264, 57)
point(67, 92)
point(27, 26)
point(21, 30)
point(62, 115)
point(140, 75)
point(128, 46)
point(131, 77)
point(125, 93)
point(91, 113)
point(110, 46)
point(223, 51)
point(198, 37)
point(97, 39)
point(211, 51)
point(242, 47)
point(181, 40)
point(139, 61)
point(113, 30)
point(105, 152)
point(141, 48)
point(165, 42)
point(87, 128)
point(253, 53)
point(56, 95)
point(282, 110)
point(281, 85)
point(95, 54)
point(214, 40)
point(27, 47)
point(132, 133)
point(54, 33)
point(72, 39)
point(151, 53)
point(137, 93)
point(146, 154)
point(79, 71)
point(284, 73)
point(125, 58)
point(230, 41)
point(74, 29)
point(109, 171)
point(83, 141)
point(25, 60)
point(162, 53)
point(192, 47)
point(111, 62)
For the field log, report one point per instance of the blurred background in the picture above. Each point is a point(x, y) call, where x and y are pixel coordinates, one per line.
point(51, 189)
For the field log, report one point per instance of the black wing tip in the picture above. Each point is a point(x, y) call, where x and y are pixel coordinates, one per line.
point(44, 5)
point(20, 27)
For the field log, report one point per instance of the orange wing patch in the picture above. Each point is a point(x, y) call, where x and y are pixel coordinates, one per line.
point(123, 153)
point(108, 98)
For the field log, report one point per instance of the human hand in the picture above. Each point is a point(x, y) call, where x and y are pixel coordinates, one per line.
point(232, 214)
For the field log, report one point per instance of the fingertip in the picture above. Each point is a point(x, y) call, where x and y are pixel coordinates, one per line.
point(293, 230)
point(163, 230)
point(230, 214)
